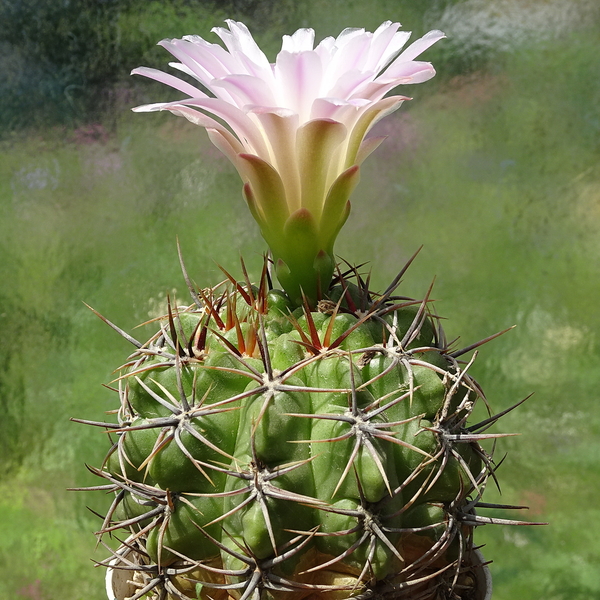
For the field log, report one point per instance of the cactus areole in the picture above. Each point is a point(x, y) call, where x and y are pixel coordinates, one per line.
point(310, 441)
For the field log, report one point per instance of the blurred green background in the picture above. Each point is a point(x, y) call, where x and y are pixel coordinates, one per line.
point(493, 168)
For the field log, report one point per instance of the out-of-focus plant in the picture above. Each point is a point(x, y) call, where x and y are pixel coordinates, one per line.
point(53, 54)
point(62, 60)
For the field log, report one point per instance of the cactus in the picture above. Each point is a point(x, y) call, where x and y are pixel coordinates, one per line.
point(264, 450)
point(305, 441)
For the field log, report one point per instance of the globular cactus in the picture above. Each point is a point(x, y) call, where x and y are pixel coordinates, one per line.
point(270, 452)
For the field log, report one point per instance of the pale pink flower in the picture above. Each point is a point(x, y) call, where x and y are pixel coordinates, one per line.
point(295, 129)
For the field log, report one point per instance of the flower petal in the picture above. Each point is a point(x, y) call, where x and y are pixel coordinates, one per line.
point(344, 111)
point(299, 77)
point(295, 130)
point(410, 72)
point(300, 41)
point(194, 116)
point(368, 118)
point(336, 206)
point(267, 188)
point(420, 45)
point(387, 42)
point(202, 60)
point(170, 80)
point(350, 53)
point(227, 143)
point(317, 142)
point(325, 49)
point(241, 45)
point(280, 130)
point(250, 198)
point(243, 127)
point(246, 89)
point(349, 83)
point(347, 35)
point(368, 146)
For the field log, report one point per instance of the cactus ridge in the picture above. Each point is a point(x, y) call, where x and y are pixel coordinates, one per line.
point(268, 451)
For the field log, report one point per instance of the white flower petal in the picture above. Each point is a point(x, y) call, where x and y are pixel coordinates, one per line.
point(335, 109)
point(194, 116)
point(373, 90)
point(351, 56)
point(276, 110)
point(199, 60)
point(410, 72)
point(386, 45)
point(246, 89)
point(171, 80)
point(301, 41)
point(226, 142)
point(239, 38)
point(298, 78)
point(421, 45)
point(367, 147)
point(325, 48)
point(368, 117)
point(347, 35)
point(244, 128)
point(241, 45)
point(349, 83)
point(148, 107)
point(280, 130)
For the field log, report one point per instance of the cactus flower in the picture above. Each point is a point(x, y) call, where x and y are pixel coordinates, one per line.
point(295, 129)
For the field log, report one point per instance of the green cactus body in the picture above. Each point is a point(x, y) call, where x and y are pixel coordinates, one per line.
point(268, 451)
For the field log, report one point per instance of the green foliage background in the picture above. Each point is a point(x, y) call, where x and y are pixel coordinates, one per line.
point(493, 168)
